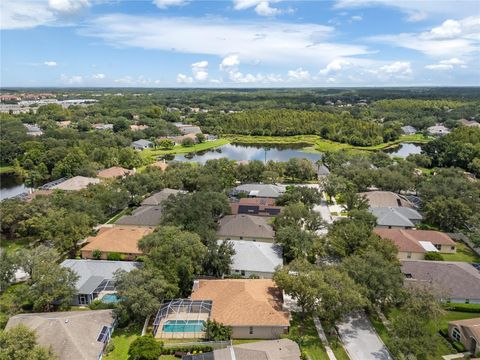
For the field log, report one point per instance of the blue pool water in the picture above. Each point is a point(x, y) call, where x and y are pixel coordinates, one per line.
point(110, 299)
point(172, 326)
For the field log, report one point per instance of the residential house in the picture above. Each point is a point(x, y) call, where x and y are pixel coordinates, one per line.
point(162, 165)
point(149, 216)
point(414, 244)
point(159, 197)
point(188, 129)
point(79, 335)
point(470, 123)
point(95, 278)
point(255, 258)
point(33, 130)
point(118, 239)
point(438, 130)
point(456, 282)
point(178, 140)
point(400, 217)
point(383, 199)
point(466, 332)
point(261, 190)
point(255, 206)
point(115, 172)
point(245, 227)
point(102, 126)
point(138, 127)
point(409, 130)
point(280, 349)
point(76, 183)
point(142, 144)
point(64, 124)
point(252, 307)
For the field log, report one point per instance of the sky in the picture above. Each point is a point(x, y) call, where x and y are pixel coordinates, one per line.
point(239, 43)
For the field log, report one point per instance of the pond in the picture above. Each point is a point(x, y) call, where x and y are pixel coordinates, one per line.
point(248, 152)
point(10, 186)
point(404, 149)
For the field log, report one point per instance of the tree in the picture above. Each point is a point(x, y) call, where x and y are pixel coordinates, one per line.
point(145, 348)
point(189, 251)
point(200, 137)
point(188, 142)
point(298, 214)
point(7, 270)
point(306, 195)
point(381, 278)
point(296, 243)
point(301, 169)
point(51, 285)
point(142, 291)
point(219, 257)
point(20, 343)
point(215, 331)
point(30, 259)
point(334, 184)
point(166, 144)
point(347, 236)
point(447, 213)
point(353, 201)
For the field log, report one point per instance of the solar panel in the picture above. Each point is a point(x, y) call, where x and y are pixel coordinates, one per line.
point(103, 337)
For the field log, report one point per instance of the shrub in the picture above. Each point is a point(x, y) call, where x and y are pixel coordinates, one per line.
point(99, 305)
point(187, 142)
point(432, 255)
point(96, 254)
point(114, 256)
point(215, 331)
point(145, 348)
point(471, 308)
point(110, 347)
point(171, 350)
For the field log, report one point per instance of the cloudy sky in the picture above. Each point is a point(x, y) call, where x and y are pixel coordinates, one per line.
point(239, 43)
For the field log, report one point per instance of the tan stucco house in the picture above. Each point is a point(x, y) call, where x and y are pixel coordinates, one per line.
point(466, 332)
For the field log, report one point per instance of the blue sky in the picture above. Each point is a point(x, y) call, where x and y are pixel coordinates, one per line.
point(239, 43)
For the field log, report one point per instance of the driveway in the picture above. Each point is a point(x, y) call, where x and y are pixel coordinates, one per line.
point(360, 339)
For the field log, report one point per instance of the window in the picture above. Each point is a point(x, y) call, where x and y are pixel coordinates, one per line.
point(243, 272)
point(452, 247)
point(409, 255)
point(250, 330)
point(438, 247)
point(456, 334)
point(82, 299)
point(241, 237)
point(467, 301)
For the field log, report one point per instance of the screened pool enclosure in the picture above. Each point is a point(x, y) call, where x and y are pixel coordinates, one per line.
point(182, 318)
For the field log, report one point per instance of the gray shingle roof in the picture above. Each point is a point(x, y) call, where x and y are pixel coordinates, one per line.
point(159, 197)
point(262, 190)
point(395, 216)
point(454, 280)
point(92, 272)
point(256, 256)
point(245, 226)
point(71, 334)
point(146, 215)
point(142, 142)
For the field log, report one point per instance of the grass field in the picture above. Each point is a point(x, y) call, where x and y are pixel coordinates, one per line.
point(122, 338)
point(150, 154)
point(10, 246)
point(464, 253)
point(304, 332)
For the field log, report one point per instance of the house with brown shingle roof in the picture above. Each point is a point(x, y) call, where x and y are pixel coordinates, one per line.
point(114, 172)
point(245, 227)
point(252, 307)
point(466, 332)
point(382, 199)
point(414, 244)
point(118, 239)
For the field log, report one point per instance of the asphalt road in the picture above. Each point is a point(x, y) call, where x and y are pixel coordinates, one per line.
point(360, 339)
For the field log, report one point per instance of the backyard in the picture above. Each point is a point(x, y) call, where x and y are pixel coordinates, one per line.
point(464, 253)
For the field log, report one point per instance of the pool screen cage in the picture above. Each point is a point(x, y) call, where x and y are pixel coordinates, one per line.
point(179, 307)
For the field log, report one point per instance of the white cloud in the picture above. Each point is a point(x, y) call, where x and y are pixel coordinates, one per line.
point(49, 63)
point(184, 79)
point(23, 14)
point(200, 70)
point(229, 61)
point(298, 75)
point(98, 76)
point(265, 43)
point(334, 66)
point(163, 4)
point(451, 38)
point(68, 6)
point(356, 18)
point(396, 70)
point(262, 7)
point(417, 10)
point(446, 65)
point(140, 80)
point(71, 80)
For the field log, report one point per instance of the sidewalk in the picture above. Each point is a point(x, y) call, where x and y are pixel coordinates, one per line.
point(323, 338)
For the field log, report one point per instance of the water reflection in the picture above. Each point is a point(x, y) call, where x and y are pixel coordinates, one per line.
point(10, 186)
point(404, 149)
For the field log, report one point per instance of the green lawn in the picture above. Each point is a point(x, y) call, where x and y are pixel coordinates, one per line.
point(10, 246)
point(5, 169)
point(150, 154)
point(274, 140)
point(122, 338)
point(304, 332)
point(455, 315)
point(118, 216)
point(464, 253)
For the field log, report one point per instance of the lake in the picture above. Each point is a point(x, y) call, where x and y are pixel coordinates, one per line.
point(404, 149)
point(11, 186)
point(248, 152)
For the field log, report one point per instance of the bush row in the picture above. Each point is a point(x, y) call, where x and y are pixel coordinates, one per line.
point(171, 350)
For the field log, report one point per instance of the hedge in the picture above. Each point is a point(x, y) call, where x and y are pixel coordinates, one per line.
point(171, 350)
point(471, 308)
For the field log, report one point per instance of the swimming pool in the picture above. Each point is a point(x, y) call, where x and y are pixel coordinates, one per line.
point(172, 326)
point(110, 299)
